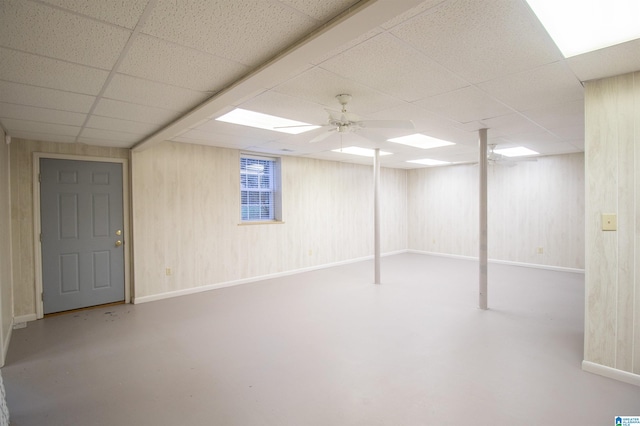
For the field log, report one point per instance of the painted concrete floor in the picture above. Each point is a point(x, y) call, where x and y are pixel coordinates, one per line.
point(324, 348)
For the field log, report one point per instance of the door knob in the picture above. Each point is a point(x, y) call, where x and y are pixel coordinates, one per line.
point(119, 232)
point(118, 243)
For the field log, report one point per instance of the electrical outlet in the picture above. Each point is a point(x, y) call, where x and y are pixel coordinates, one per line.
point(310, 252)
point(540, 250)
point(167, 271)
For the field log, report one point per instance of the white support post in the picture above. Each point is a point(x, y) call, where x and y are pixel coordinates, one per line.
point(376, 215)
point(483, 252)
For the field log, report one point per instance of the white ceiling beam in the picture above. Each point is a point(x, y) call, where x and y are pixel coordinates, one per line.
point(357, 20)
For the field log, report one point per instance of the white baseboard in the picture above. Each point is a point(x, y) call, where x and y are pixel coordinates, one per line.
point(176, 293)
point(612, 373)
point(23, 319)
point(502, 262)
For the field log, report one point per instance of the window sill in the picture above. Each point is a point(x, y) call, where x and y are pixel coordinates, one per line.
point(263, 222)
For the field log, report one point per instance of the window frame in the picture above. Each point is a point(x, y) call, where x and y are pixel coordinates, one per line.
point(274, 191)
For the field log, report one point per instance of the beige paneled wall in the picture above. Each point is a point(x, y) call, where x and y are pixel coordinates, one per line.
point(186, 218)
point(443, 210)
point(21, 160)
point(532, 206)
point(6, 297)
point(612, 155)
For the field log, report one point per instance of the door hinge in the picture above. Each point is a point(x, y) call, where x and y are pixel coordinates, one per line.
point(42, 296)
point(39, 177)
point(40, 237)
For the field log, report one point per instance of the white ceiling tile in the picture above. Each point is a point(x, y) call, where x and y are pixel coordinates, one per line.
point(427, 123)
point(615, 60)
point(546, 85)
point(321, 86)
point(13, 125)
point(35, 136)
point(291, 107)
point(23, 112)
point(530, 139)
point(150, 93)
point(481, 40)
point(125, 13)
point(464, 105)
point(566, 114)
point(109, 135)
point(127, 111)
point(35, 70)
point(320, 10)
point(44, 30)
point(108, 123)
point(376, 63)
point(553, 147)
point(17, 93)
point(347, 45)
point(512, 124)
point(578, 144)
point(245, 32)
point(569, 133)
point(188, 68)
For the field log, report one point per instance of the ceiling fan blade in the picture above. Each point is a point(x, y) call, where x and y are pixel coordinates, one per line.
point(351, 117)
point(322, 136)
point(334, 115)
point(386, 124)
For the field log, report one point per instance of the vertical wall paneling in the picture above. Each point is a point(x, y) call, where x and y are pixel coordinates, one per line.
point(187, 221)
point(532, 205)
point(611, 274)
point(6, 276)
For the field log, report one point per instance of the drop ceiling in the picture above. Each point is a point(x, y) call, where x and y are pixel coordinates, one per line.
point(137, 72)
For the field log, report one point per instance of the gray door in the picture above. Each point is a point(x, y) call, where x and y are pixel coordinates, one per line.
point(82, 233)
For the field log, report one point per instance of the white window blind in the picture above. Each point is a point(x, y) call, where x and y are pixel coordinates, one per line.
point(257, 187)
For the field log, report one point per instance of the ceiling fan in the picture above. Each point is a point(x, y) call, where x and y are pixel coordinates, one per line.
point(345, 122)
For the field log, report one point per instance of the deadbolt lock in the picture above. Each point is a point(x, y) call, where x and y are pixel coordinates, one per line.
point(119, 232)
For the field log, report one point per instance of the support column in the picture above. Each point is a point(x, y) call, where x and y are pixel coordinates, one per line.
point(376, 216)
point(483, 252)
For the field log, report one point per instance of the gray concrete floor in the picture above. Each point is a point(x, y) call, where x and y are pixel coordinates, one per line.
point(324, 348)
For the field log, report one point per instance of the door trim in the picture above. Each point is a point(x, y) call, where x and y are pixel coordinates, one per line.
point(37, 227)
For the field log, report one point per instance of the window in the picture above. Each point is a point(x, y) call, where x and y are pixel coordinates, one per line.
point(259, 189)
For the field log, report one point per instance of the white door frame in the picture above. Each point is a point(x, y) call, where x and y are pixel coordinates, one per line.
point(37, 227)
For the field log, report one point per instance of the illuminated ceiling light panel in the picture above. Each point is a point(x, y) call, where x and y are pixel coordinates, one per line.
point(265, 121)
point(356, 150)
point(518, 151)
point(581, 26)
point(418, 140)
point(429, 162)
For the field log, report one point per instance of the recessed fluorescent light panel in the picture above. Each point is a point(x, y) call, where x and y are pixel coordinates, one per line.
point(580, 26)
point(429, 162)
point(418, 140)
point(356, 150)
point(265, 121)
point(518, 151)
